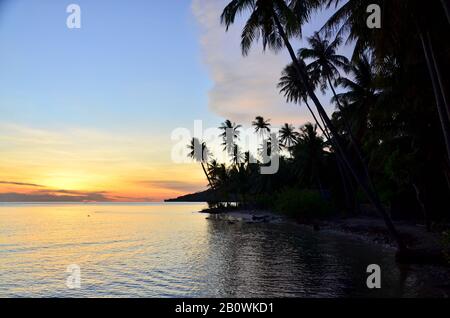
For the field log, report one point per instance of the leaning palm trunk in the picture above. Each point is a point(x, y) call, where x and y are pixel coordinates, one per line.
point(361, 178)
point(349, 192)
point(346, 123)
point(322, 128)
point(353, 140)
point(207, 176)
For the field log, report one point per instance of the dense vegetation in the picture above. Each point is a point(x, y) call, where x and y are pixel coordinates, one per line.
point(386, 145)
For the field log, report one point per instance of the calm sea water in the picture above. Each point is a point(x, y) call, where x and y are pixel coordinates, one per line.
point(169, 250)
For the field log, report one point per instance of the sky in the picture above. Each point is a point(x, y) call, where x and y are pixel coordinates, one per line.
point(87, 114)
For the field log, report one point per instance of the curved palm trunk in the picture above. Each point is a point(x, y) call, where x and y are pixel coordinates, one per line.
point(207, 176)
point(323, 129)
point(361, 178)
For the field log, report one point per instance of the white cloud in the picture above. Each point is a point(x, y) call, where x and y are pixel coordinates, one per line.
point(243, 87)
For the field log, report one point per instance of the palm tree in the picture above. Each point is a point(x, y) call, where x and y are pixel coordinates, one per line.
point(325, 69)
point(268, 148)
point(288, 136)
point(262, 126)
point(275, 22)
point(288, 85)
point(200, 153)
point(295, 93)
point(236, 156)
point(214, 172)
point(360, 96)
point(326, 62)
point(309, 154)
point(348, 20)
point(398, 17)
point(248, 158)
point(218, 174)
point(229, 135)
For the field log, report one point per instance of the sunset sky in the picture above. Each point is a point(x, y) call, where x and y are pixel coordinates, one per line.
point(87, 114)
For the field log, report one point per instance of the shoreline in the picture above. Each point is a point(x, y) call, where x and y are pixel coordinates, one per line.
point(371, 230)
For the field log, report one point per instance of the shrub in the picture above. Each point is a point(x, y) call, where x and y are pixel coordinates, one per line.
point(263, 201)
point(303, 204)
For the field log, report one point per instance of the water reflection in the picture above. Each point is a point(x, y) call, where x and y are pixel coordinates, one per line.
point(169, 250)
point(258, 260)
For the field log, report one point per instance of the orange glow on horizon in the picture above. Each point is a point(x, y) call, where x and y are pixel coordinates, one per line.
point(90, 166)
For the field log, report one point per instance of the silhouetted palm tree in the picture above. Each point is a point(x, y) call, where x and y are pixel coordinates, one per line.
point(249, 159)
point(325, 69)
point(230, 135)
point(217, 173)
point(200, 153)
point(262, 126)
point(288, 136)
point(326, 62)
point(237, 156)
point(269, 148)
point(399, 17)
point(293, 92)
point(213, 168)
point(361, 87)
point(288, 85)
point(309, 155)
point(360, 96)
point(275, 22)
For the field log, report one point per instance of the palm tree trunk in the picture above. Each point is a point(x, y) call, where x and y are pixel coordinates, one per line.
point(207, 176)
point(341, 167)
point(353, 140)
point(362, 180)
point(442, 109)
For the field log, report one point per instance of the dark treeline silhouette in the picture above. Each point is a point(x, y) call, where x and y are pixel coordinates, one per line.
point(387, 144)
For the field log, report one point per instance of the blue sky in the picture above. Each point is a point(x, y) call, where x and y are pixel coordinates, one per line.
point(91, 110)
point(128, 66)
